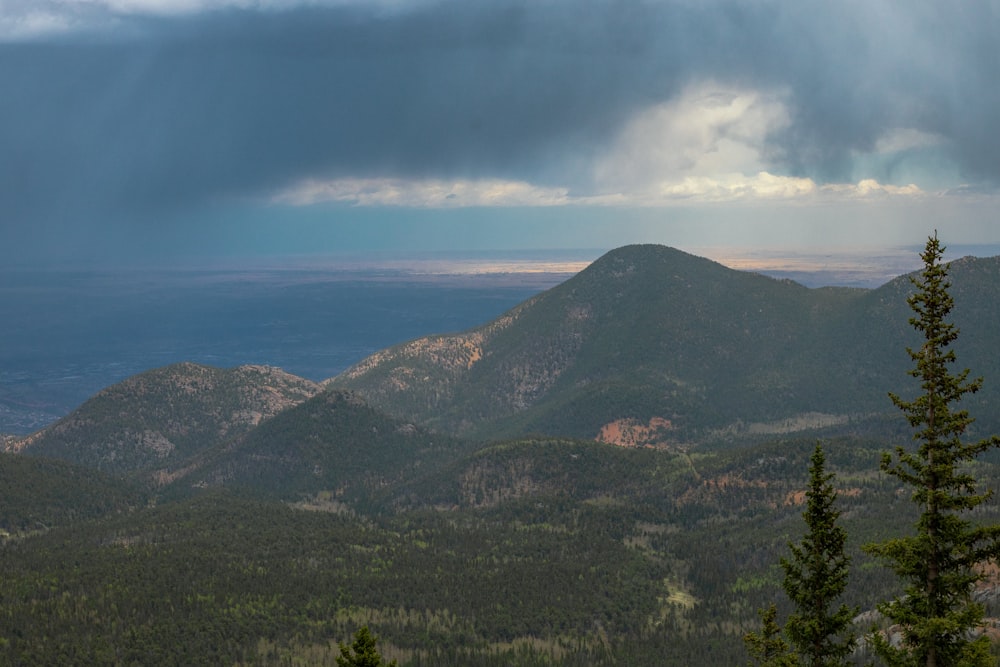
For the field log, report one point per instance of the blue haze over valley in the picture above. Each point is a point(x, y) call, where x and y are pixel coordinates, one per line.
point(70, 332)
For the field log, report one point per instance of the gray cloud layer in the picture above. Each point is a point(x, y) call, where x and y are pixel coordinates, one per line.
point(159, 113)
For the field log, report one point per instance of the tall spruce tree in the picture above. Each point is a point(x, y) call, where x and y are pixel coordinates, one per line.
point(816, 575)
point(938, 564)
point(820, 630)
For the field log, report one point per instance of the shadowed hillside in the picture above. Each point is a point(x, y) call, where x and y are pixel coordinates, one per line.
point(328, 451)
point(40, 494)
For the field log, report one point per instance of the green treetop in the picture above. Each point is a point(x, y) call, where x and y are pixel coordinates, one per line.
point(939, 563)
point(820, 631)
point(816, 576)
point(362, 653)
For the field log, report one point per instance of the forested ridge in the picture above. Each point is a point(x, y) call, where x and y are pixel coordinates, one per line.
point(650, 332)
point(556, 551)
point(165, 415)
point(272, 544)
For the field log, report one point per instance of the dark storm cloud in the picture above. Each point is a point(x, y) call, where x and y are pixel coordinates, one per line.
point(236, 102)
point(857, 71)
point(172, 112)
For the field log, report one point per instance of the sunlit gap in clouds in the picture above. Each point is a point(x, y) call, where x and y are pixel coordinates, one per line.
point(861, 266)
point(811, 264)
point(818, 267)
point(538, 269)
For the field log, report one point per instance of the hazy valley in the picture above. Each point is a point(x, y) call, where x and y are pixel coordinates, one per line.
point(70, 333)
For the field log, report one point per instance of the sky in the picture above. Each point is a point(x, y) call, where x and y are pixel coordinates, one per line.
point(161, 130)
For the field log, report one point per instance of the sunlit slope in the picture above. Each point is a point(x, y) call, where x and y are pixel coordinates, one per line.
point(676, 348)
point(164, 415)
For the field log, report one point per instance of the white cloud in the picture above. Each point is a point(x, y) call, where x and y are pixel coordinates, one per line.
point(870, 188)
point(422, 193)
point(708, 132)
point(166, 7)
point(707, 146)
point(174, 7)
point(704, 146)
point(437, 193)
point(30, 24)
point(30, 19)
point(729, 187)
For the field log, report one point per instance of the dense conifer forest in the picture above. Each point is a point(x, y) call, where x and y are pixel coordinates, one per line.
point(557, 552)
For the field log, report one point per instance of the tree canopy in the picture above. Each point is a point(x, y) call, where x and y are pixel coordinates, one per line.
point(362, 653)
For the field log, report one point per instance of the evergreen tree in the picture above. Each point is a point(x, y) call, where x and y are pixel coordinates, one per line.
point(362, 653)
point(767, 648)
point(939, 563)
point(816, 576)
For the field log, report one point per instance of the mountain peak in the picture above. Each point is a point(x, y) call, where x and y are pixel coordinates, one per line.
point(651, 334)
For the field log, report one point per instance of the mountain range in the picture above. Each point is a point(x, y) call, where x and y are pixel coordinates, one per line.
point(650, 345)
point(605, 474)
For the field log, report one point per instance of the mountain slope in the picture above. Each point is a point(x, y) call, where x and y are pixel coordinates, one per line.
point(41, 494)
point(580, 553)
point(332, 446)
point(167, 414)
point(676, 347)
